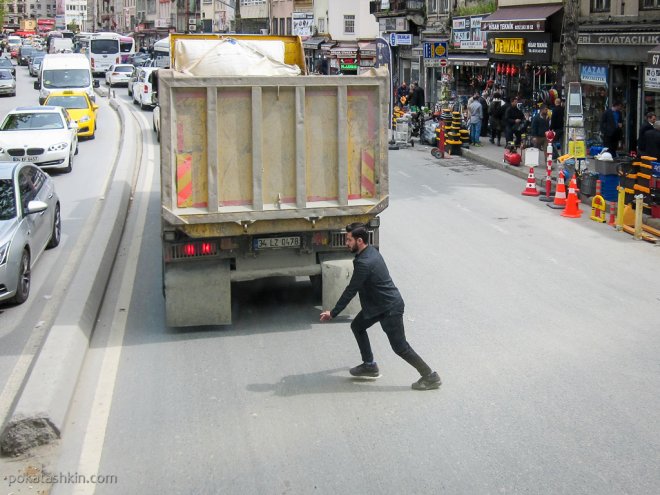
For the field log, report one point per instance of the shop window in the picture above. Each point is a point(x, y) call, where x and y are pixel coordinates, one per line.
point(601, 5)
point(274, 28)
point(650, 4)
point(282, 20)
point(349, 24)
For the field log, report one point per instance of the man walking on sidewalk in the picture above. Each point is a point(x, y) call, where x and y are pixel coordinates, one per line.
point(475, 114)
point(381, 303)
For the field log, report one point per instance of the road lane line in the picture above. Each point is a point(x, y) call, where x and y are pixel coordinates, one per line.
point(93, 441)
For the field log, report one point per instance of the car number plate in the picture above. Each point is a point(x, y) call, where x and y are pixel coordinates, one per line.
point(276, 242)
point(25, 158)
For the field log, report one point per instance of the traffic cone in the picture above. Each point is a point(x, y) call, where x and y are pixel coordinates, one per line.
point(530, 188)
point(560, 194)
point(572, 209)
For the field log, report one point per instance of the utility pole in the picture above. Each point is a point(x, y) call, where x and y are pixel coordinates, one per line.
point(570, 42)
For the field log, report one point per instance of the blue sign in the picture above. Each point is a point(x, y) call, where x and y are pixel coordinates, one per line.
point(593, 74)
point(436, 49)
point(400, 39)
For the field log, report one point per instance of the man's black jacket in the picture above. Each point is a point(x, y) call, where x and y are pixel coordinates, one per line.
point(372, 281)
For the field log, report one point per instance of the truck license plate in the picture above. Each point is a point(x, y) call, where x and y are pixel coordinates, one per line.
point(276, 242)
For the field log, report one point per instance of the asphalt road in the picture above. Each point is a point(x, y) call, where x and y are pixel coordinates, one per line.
point(23, 328)
point(543, 328)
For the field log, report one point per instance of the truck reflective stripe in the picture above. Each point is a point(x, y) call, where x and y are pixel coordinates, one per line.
point(184, 180)
point(367, 185)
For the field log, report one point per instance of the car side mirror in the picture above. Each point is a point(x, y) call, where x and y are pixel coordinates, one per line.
point(95, 107)
point(36, 85)
point(96, 83)
point(36, 207)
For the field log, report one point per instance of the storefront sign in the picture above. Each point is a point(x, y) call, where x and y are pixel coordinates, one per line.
point(652, 78)
point(400, 39)
point(466, 33)
point(436, 49)
point(535, 47)
point(393, 24)
point(302, 23)
point(509, 46)
point(619, 39)
point(593, 74)
point(526, 26)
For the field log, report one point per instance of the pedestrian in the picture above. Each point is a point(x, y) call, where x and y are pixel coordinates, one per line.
point(611, 127)
point(475, 114)
point(652, 141)
point(484, 114)
point(381, 303)
point(402, 94)
point(514, 122)
point(417, 97)
point(496, 112)
point(540, 125)
point(648, 124)
point(557, 126)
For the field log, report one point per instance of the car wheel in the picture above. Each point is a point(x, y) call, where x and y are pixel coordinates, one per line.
point(130, 91)
point(76, 152)
point(56, 234)
point(69, 167)
point(107, 83)
point(143, 106)
point(23, 287)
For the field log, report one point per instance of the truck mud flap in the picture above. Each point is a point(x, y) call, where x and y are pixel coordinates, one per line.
point(197, 293)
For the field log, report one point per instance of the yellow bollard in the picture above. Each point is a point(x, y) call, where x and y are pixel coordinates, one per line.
point(639, 207)
point(621, 204)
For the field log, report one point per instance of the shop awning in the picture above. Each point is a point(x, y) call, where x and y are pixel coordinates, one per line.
point(314, 43)
point(328, 45)
point(520, 19)
point(468, 59)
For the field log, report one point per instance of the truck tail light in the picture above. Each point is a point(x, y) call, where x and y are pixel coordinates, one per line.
point(193, 249)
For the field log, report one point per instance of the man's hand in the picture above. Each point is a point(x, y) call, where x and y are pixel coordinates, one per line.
point(326, 316)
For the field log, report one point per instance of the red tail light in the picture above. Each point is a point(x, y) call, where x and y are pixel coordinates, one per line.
point(146, 89)
point(91, 62)
point(194, 249)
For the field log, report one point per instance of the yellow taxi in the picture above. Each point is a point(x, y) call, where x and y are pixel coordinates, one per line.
point(80, 109)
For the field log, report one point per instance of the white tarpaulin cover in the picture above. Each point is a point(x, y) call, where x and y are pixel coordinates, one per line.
point(232, 57)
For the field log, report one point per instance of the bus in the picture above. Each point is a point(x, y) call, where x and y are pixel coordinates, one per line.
point(103, 51)
point(162, 53)
point(126, 47)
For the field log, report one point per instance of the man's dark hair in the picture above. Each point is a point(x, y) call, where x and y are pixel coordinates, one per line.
point(617, 103)
point(359, 231)
point(650, 115)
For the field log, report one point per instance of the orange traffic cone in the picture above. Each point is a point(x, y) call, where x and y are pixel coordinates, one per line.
point(560, 194)
point(530, 188)
point(572, 209)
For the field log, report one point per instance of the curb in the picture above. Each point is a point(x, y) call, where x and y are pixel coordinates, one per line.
point(41, 409)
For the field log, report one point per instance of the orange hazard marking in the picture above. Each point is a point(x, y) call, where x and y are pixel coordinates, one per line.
point(367, 183)
point(184, 180)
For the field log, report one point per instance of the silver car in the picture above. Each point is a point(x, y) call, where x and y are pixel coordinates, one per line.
point(30, 222)
point(7, 83)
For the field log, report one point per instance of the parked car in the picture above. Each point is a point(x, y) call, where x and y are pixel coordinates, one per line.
point(30, 222)
point(118, 74)
point(143, 94)
point(45, 136)
point(79, 107)
point(23, 52)
point(5, 63)
point(138, 59)
point(7, 83)
point(35, 65)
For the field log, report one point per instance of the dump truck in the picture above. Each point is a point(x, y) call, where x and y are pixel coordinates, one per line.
point(261, 174)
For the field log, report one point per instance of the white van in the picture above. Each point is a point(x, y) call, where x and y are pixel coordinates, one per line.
point(65, 71)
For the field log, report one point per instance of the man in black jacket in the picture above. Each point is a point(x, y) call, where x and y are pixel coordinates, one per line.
point(611, 127)
point(641, 142)
point(513, 120)
point(381, 302)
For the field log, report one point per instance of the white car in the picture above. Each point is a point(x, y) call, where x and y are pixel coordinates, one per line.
point(44, 135)
point(142, 90)
point(118, 74)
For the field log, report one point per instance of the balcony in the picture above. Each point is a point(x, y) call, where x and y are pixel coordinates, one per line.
point(397, 8)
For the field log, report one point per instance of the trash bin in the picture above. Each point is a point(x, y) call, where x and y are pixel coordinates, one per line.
point(588, 183)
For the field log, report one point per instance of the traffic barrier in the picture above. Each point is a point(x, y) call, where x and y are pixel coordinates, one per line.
point(530, 187)
point(572, 209)
point(560, 194)
point(612, 221)
point(598, 205)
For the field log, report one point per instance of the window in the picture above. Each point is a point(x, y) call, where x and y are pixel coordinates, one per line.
point(650, 4)
point(349, 24)
point(281, 32)
point(322, 25)
point(601, 5)
point(289, 28)
point(274, 28)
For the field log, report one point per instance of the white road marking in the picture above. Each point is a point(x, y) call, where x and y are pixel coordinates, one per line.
point(92, 448)
point(404, 174)
point(429, 188)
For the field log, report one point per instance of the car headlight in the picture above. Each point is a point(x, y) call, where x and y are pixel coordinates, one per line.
point(84, 119)
point(4, 252)
point(58, 147)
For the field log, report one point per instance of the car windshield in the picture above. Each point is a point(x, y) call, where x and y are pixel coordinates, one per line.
point(124, 68)
point(5, 75)
point(104, 46)
point(7, 200)
point(66, 78)
point(67, 101)
point(32, 121)
point(4, 62)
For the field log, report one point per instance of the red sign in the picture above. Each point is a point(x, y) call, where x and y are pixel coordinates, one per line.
point(443, 62)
